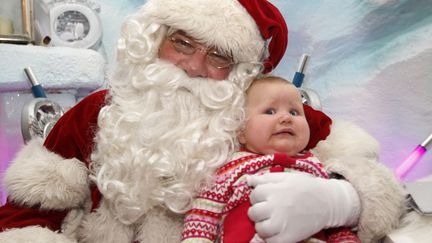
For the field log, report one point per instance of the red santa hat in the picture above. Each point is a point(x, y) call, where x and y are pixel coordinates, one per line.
point(240, 27)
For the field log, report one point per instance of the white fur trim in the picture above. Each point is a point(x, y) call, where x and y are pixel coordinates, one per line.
point(414, 228)
point(71, 222)
point(74, 218)
point(347, 139)
point(33, 234)
point(352, 153)
point(157, 225)
point(222, 23)
point(38, 176)
point(160, 225)
point(102, 227)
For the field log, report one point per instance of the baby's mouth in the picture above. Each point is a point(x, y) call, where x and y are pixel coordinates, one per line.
point(286, 131)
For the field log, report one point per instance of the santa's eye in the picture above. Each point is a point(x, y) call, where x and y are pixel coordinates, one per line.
point(182, 44)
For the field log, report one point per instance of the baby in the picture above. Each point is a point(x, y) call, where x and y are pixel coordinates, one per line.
point(273, 139)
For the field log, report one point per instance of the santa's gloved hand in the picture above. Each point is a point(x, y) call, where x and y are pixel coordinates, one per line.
point(290, 207)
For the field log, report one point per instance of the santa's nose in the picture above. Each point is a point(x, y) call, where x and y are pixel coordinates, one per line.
point(195, 65)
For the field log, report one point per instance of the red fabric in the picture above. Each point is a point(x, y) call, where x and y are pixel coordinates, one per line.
point(15, 216)
point(72, 136)
point(238, 228)
point(272, 26)
point(344, 235)
point(319, 125)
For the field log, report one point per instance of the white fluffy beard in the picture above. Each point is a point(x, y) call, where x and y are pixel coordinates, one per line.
point(161, 138)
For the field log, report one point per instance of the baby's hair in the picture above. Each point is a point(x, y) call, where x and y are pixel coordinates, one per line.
point(268, 79)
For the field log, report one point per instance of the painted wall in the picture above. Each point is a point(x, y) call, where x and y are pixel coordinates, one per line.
point(370, 63)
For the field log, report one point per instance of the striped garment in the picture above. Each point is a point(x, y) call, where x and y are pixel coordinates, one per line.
point(204, 222)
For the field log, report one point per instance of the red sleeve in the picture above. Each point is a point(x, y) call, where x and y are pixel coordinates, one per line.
point(16, 216)
point(71, 137)
point(73, 134)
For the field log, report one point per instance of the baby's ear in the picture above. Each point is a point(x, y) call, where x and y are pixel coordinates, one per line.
point(241, 136)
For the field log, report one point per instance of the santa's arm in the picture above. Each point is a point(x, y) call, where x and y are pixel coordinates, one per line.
point(42, 187)
point(45, 181)
point(41, 178)
point(352, 153)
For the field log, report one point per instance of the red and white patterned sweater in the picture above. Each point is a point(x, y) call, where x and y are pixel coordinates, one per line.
point(204, 222)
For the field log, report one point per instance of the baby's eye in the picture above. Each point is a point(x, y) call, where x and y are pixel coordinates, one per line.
point(270, 111)
point(294, 113)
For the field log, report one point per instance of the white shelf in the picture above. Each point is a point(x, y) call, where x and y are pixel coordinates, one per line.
point(54, 67)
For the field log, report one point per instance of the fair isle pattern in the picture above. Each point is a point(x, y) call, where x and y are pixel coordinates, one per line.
point(345, 236)
point(203, 221)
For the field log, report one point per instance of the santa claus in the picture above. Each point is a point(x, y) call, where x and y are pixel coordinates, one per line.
point(124, 163)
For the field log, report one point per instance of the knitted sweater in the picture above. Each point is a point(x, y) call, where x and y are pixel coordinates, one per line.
point(204, 221)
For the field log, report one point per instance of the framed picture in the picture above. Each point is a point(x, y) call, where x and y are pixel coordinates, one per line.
point(16, 21)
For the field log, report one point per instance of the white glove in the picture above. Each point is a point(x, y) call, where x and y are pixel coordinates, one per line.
point(257, 239)
point(290, 207)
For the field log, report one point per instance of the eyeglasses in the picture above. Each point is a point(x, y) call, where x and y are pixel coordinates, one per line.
point(187, 46)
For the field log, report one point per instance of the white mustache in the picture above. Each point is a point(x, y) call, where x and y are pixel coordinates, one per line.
point(214, 94)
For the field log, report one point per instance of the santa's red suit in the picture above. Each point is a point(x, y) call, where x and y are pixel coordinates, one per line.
point(168, 134)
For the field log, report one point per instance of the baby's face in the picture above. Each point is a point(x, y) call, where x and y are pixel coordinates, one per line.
point(275, 119)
